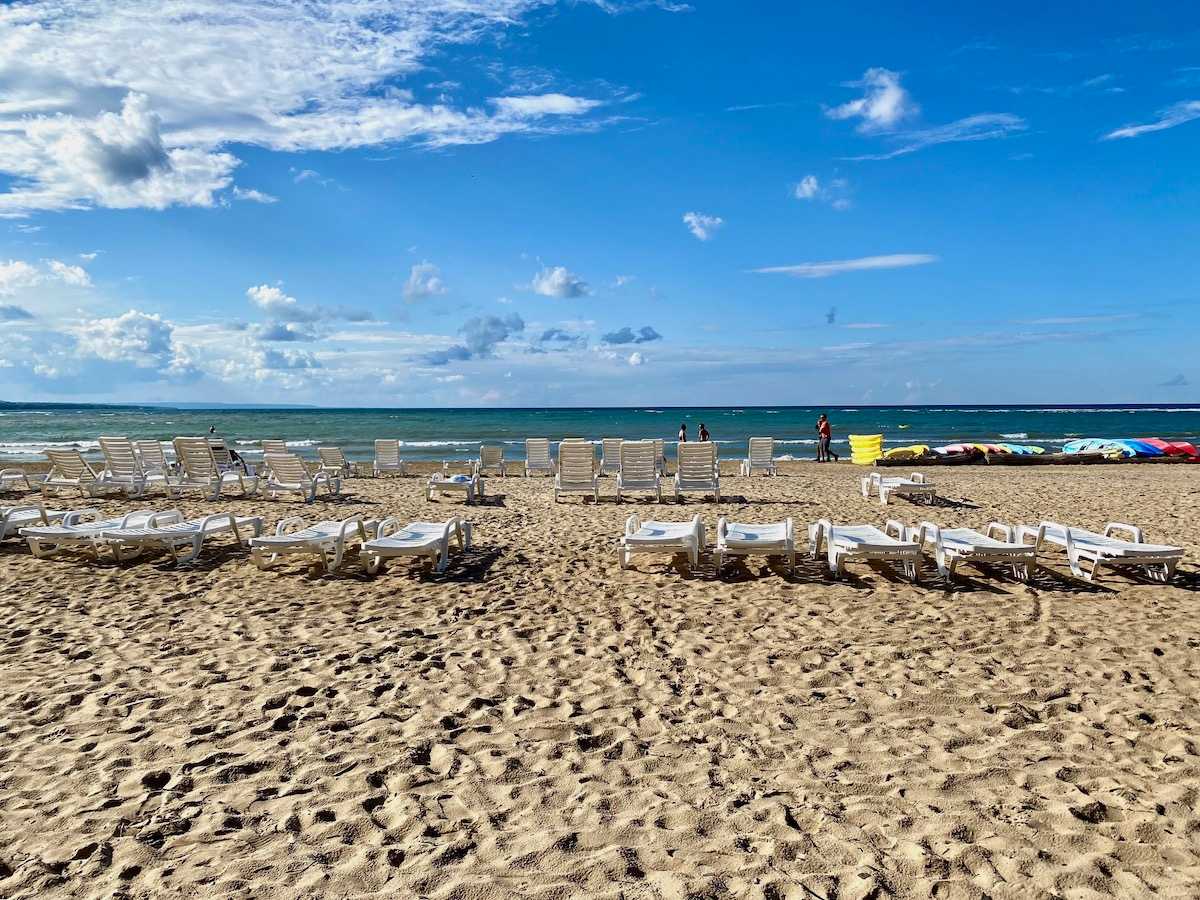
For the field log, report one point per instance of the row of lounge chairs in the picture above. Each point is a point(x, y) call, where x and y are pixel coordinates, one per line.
point(51, 532)
point(1016, 548)
point(639, 470)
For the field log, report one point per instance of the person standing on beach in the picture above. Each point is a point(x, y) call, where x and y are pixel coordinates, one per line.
point(683, 432)
point(704, 436)
point(824, 438)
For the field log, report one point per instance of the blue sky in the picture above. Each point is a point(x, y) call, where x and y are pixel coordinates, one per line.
point(522, 203)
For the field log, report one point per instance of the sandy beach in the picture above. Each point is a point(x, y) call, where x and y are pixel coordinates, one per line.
point(538, 723)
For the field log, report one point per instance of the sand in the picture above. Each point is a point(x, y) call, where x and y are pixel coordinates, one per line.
point(539, 723)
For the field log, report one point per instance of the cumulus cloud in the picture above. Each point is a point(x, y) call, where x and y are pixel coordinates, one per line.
point(424, 280)
point(76, 276)
point(837, 267)
point(559, 282)
point(834, 192)
point(286, 332)
point(114, 104)
point(10, 312)
point(1177, 114)
point(636, 359)
point(280, 306)
point(481, 335)
point(254, 196)
point(143, 339)
point(701, 225)
point(16, 274)
point(807, 188)
point(268, 358)
point(627, 335)
point(883, 105)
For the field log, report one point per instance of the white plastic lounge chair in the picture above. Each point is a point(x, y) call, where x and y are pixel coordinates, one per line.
point(170, 531)
point(270, 445)
point(14, 518)
point(1095, 550)
point(610, 455)
point(123, 469)
point(696, 469)
point(287, 474)
point(760, 457)
point(537, 456)
point(662, 537)
point(638, 471)
point(576, 470)
point(471, 486)
point(660, 456)
point(81, 528)
point(68, 469)
point(843, 543)
point(14, 480)
point(387, 458)
point(327, 540)
point(952, 546)
point(153, 460)
point(738, 539)
point(224, 458)
point(491, 458)
point(199, 471)
point(423, 539)
point(334, 461)
point(916, 486)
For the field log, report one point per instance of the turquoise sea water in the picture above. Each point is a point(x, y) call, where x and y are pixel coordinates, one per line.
point(457, 433)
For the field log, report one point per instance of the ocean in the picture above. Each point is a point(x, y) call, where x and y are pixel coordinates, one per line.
point(25, 431)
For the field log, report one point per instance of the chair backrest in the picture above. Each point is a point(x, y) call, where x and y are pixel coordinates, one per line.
point(576, 461)
point(221, 454)
point(491, 455)
point(537, 451)
point(119, 457)
point(762, 451)
point(637, 461)
point(332, 457)
point(70, 465)
point(272, 446)
point(697, 461)
point(286, 468)
point(195, 456)
point(152, 455)
point(660, 449)
point(611, 449)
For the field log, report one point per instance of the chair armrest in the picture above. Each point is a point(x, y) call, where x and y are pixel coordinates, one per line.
point(170, 517)
point(390, 525)
point(917, 477)
point(928, 531)
point(897, 526)
point(1005, 531)
point(1135, 533)
point(215, 518)
point(288, 525)
point(789, 530)
point(76, 516)
point(633, 524)
point(818, 533)
point(698, 530)
point(352, 522)
point(722, 530)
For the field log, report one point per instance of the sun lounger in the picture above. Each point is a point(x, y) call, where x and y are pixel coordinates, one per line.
point(537, 456)
point(14, 518)
point(471, 486)
point(287, 474)
point(68, 469)
point(326, 540)
point(952, 546)
point(660, 456)
point(662, 537)
point(14, 480)
point(576, 470)
point(430, 540)
point(760, 457)
point(916, 486)
point(1087, 551)
point(696, 470)
point(123, 468)
point(334, 461)
point(491, 458)
point(199, 471)
point(638, 470)
point(269, 445)
point(152, 458)
point(610, 455)
point(81, 528)
point(387, 458)
point(169, 531)
point(740, 539)
point(853, 543)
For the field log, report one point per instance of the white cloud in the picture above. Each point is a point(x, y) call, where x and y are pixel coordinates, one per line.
point(834, 192)
point(807, 188)
point(837, 267)
point(883, 105)
point(424, 280)
point(636, 359)
point(701, 225)
point(981, 127)
point(121, 104)
point(15, 275)
point(88, 257)
point(255, 196)
point(142, 339)
point(1177, 114)
point(559, 282)
point(278, 305)
point(76, 276)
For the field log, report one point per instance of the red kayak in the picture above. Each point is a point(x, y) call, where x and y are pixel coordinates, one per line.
point(1172, 448)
